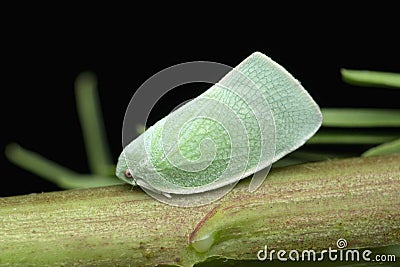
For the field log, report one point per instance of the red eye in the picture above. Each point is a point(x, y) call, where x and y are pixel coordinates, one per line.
point(128, 174)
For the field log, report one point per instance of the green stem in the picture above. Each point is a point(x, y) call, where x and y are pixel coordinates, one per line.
point(306, 206)
point(87, 101)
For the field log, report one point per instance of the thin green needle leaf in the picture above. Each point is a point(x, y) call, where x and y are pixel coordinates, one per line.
point(36, 163)
point(386, 148)
point(53, 172)
point(352, 137)
point(371, 78)
point(358, 117)
point(90, 116)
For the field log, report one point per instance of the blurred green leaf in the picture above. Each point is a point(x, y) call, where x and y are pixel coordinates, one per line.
point(371, 78)
point(386, 148)
point(35, 163)
point(358, 117)
point(352, 137)
point(53, 172)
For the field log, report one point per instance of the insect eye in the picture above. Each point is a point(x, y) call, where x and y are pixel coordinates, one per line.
point(127, 174)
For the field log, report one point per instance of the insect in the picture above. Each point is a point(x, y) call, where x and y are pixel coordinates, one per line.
point(255, 115)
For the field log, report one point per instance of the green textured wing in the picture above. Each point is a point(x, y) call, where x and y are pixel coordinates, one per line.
point(255, 115)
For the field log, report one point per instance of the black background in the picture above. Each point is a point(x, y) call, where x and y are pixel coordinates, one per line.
point(41, 60)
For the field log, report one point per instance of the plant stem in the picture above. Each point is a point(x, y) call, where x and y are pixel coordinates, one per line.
point(306, 206)
point(87, 103)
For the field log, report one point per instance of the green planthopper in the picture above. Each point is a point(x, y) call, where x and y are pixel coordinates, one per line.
point(256, 114)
